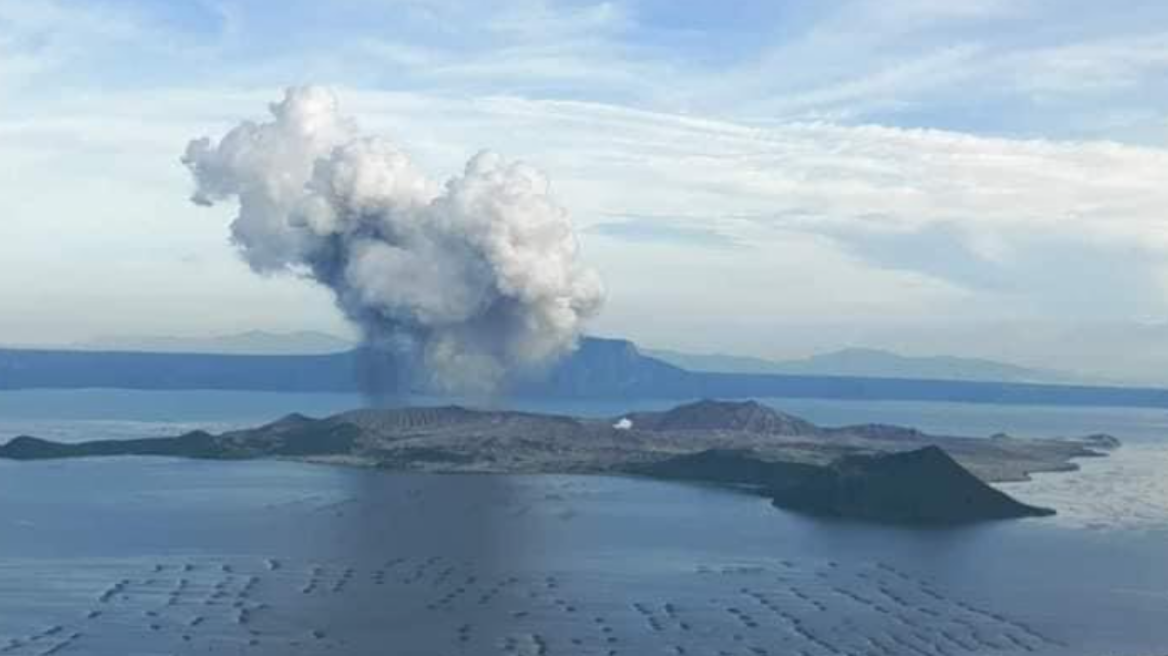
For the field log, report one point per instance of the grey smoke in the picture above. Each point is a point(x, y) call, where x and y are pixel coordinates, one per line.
point(477, 279)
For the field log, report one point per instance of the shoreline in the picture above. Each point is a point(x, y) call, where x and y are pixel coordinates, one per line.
point(880, 472)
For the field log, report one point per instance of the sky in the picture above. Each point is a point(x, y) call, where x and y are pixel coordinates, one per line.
point(772, 178)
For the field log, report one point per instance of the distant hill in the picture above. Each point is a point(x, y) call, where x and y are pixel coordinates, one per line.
point(730, 364)
point(865, 362)
point(253, 342)
point(847, 362)
point(924, 486)
point(599, 369)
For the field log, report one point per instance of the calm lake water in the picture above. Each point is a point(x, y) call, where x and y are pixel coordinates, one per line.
point(160, 556)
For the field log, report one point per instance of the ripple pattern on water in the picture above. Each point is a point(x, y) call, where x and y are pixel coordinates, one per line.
point(1126, 490)
point(435, 605)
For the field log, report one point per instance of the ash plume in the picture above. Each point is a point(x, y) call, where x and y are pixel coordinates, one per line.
point(475, 280)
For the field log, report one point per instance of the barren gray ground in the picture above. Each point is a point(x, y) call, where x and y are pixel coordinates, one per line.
point(458, 439)
point(452, 439)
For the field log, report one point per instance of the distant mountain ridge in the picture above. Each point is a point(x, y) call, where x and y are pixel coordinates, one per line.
point(867, 362)
point(252, 342)
point(598, 369)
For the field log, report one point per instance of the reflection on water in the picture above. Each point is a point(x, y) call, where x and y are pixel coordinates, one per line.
point(152, 556)
point(132, 555)
point(1126, 490)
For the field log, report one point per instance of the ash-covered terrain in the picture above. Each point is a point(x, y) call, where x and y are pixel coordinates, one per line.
point(871, 472)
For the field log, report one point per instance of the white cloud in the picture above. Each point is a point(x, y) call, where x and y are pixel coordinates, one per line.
point(801, 152)
point(755, 185)
point(1093, 67)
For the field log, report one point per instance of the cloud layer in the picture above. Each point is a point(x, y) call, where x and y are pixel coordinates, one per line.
point(788, 177)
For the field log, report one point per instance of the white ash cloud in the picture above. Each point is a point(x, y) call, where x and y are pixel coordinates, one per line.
point(477, 278)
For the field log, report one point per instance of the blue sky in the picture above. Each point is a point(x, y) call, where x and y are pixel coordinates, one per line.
point(984, 177)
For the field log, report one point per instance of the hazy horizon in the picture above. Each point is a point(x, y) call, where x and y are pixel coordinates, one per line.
point(982, 180)
point(302, 342)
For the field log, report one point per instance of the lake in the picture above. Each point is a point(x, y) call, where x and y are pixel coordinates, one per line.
point(160, 556)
